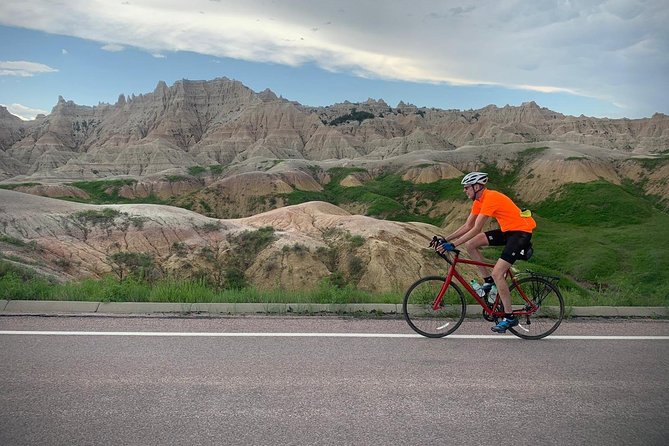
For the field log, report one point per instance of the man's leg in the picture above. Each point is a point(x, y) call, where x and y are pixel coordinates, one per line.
point(472, 247)
point(509, 320)
point(498, 273)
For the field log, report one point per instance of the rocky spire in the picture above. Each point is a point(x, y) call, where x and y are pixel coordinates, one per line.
point(267, 95)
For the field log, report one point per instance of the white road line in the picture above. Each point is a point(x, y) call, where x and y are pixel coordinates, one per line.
point(309, 335)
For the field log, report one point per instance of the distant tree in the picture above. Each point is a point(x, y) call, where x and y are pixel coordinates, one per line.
point(353, 116)
point(125, 264)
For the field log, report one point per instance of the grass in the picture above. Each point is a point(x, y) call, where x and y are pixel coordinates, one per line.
point(22, 286)
point(607, 240)
point(107, 192)
point(620, 265)
point(653, 163)
point(599, 204)
point(103, 191)
point(387, 196)
point(19, 286)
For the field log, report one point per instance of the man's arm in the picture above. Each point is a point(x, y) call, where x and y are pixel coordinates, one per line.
point(479, 221)
point(469, 224)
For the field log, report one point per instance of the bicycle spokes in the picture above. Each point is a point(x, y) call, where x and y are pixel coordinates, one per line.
point(441, 327)
point(540, 305)
point(430, 315)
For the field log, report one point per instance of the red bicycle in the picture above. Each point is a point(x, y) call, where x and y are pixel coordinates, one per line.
point(435, 306)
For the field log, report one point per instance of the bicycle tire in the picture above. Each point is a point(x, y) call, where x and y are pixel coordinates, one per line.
point(422, 318)
point(547, 318)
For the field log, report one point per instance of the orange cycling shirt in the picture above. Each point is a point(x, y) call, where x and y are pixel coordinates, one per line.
point(495, 204)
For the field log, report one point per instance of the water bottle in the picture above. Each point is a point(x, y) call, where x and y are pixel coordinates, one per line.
point(479, 290)
point(492, 295)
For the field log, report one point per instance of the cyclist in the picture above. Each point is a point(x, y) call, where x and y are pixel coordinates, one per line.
point(514, 233)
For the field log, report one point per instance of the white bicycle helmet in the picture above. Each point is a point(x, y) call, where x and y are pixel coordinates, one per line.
point(474, 178)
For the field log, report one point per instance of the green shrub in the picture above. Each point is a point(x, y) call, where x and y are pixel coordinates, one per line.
point(104, 218)
point(216, 169)
point(21, 283)
point(196, 170)
point(180, 249)
point(357, 241)
point(12, 240)
point(235, 278)
point(244, 249)
point(175, 178)
point(353, 116)
point(131, 264)
point(211, 226)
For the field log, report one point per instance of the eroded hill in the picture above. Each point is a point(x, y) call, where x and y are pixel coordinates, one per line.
point(294, 247)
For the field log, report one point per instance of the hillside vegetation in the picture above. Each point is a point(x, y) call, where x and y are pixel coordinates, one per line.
point(608, 242)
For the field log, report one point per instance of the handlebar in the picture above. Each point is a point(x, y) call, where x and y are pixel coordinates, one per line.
point(436, 241)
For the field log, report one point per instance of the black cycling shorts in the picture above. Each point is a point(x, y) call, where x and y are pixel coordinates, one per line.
point(515, 243)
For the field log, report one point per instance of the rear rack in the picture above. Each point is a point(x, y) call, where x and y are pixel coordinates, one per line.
point(540, 290)
point(552, 279)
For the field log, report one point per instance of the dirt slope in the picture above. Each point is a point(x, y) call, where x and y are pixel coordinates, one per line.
point(313, 241)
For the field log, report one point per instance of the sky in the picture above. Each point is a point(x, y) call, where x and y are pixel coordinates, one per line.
point(599, 58)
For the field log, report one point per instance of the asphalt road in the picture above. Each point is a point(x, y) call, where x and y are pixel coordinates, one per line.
point(117, 386)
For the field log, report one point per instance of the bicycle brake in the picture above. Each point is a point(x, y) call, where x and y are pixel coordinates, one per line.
point(436, 241)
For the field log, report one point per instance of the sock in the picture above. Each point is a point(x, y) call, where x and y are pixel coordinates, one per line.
point(508, 315)
point(488, 280)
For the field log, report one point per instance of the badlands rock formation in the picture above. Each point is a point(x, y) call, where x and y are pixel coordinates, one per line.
point(222, 122)
point(222, 150)
point(11, 129)
point(312, 241)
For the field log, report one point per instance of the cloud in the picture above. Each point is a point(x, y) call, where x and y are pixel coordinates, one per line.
point(613, 50)
point(459, 10)
point(23, 112)
point(113, 47)
point(23, 68)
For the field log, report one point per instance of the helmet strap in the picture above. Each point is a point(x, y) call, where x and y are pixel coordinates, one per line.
point(476, 191)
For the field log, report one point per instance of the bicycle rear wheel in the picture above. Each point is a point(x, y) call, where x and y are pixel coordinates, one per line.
point(547, 318)
point(423, 318)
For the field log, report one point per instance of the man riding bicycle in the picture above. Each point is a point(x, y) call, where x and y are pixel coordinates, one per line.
point(514, 234)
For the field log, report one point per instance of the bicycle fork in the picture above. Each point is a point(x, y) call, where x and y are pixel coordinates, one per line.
point(440, 296)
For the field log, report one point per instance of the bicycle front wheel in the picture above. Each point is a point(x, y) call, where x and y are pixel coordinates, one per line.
point(419, 312)
point(547, 318)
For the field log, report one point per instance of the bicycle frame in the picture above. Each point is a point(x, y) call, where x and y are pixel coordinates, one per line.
point(529, 308)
